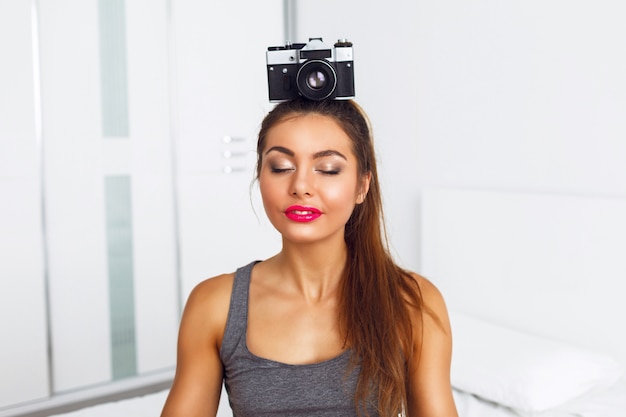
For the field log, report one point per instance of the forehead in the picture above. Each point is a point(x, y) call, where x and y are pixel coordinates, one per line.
point(309, 134)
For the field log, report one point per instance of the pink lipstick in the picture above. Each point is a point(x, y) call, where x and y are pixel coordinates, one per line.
point(302, 214)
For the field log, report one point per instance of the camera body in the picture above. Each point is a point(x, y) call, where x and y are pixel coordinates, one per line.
point(312, 70)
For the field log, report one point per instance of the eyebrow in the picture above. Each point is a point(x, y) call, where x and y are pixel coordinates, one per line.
point(281, 150)
point(316, 155)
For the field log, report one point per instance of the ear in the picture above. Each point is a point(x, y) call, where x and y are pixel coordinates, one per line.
point(363, 188)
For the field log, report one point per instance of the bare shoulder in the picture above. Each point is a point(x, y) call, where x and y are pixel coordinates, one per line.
point(198, 379)
point(208, 304)
point(432, 297)
point(430, 392)
point(434, 307)
point(213, 290)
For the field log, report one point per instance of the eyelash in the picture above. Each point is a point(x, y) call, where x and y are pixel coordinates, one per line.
point(333, 172)
point(283, 170)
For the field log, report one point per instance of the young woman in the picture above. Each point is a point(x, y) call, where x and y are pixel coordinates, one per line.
point(329, 326)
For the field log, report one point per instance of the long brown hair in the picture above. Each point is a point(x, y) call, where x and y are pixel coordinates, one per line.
point(376, 295)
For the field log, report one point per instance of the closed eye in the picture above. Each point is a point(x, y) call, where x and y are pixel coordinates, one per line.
point(281, 170)
point(329, 172)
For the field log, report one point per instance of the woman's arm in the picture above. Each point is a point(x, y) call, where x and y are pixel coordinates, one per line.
point(197, 384)
point(430, 392)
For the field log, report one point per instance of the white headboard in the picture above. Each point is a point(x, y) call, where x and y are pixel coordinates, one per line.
point(551, 265)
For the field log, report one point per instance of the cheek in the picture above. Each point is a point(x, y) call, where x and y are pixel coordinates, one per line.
point(271, 196)
point(265, 189)
point(341, 194)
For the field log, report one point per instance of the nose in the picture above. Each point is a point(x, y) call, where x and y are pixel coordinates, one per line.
point(302, 183)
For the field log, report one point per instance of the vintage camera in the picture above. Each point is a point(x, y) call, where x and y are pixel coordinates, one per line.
point(312, 70)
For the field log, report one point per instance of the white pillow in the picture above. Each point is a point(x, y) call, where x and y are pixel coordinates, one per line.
point(523, 371)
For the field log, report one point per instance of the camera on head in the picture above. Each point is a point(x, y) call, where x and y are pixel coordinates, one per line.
point(311, 70)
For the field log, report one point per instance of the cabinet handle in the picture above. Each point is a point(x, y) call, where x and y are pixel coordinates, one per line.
point(230, 170)
point(236, 154)
point(231, 139)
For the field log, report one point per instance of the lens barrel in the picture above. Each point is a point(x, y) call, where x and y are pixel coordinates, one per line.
point(316, 80)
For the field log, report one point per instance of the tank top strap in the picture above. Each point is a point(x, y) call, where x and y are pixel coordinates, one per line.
point(237, 320)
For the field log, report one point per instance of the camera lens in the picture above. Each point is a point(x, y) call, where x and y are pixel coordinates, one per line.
point(316, 80)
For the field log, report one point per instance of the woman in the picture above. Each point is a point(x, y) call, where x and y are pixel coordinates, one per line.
point(330, 326)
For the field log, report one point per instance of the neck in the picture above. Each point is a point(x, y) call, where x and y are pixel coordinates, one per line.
point(315, 270)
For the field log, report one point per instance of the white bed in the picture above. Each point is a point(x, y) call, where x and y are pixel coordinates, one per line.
point(501, 372)
point(144, 406)
point(535, 285)
point(149, 405)
point(611, 403)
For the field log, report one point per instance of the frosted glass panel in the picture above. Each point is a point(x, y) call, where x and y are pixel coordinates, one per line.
point(112, 24)
point(120, 263)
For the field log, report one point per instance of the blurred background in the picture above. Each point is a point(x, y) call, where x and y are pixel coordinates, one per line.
point(127, 137)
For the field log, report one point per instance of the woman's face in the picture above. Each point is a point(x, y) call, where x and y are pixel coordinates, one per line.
point(309, 178)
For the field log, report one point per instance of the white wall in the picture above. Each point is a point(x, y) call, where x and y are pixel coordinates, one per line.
point(523, 95)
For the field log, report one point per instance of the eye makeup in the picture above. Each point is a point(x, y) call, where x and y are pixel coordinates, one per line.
point(280, 166)
point(329, 162)
point(329, 168)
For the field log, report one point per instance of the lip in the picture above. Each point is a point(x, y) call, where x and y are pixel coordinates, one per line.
point(302, 214)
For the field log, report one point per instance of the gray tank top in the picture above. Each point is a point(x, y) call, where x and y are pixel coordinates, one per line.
point(262, 387)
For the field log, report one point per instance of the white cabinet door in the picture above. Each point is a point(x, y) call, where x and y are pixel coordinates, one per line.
point(137, 98)
point(109, 189)
point(23, 348)
point(221, 98)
